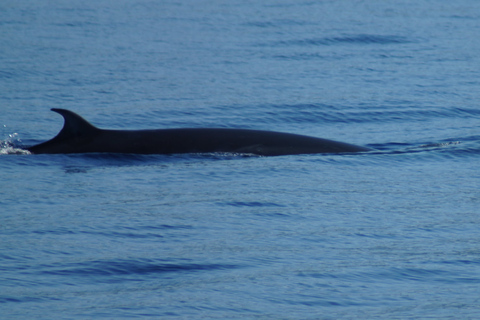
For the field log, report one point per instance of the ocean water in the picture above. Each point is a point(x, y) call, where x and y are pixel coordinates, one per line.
point(388, 234)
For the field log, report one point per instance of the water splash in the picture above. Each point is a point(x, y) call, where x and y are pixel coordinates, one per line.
point(9, 145)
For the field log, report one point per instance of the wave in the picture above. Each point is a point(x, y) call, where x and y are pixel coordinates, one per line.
point(352, 39)
point(252, 204)
point(355, 39)
point(322, 113)
point(259, 115)
point(125, 267)
point(402, 275)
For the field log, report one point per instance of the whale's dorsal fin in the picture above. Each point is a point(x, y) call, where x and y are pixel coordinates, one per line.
point(76, 130)
point(75, 127)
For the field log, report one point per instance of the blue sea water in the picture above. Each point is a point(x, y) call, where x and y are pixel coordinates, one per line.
point(388, 234)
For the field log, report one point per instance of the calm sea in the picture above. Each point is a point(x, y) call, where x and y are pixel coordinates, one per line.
point(390, 234)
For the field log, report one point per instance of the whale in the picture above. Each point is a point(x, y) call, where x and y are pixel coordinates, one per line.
point(80, 136)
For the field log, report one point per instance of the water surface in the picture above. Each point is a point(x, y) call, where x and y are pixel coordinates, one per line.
point(391, 233)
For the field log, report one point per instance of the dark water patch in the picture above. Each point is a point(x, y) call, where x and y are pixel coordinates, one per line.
point(252, 204)
point(139, 232)
point(7, 257)
point(425, 275)
point(306, 56)
point(161, 227)
point(316, 301)
point(24, 299)
point(128, 235)
point(140, 267)
point(57, 231)
point(462, 262)
point(260, 208)
point(6, 74)
point(76, 24)
point(375, 235)
point(276, 23)
point(360, 39)
point(117, 232)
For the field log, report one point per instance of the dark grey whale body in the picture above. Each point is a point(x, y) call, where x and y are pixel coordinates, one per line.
point(79, 136)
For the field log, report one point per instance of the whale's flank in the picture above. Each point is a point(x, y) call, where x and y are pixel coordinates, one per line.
point(79, 136)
